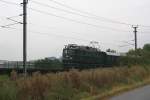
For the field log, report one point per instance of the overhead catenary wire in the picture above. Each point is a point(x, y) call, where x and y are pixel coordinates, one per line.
point(62, 36)
point(45, 33)
point(12, 28)
point(72, 32)
point(58, 29)
point(4, 26)
point(8, 2)
point(77, 38)
point(76, 21)
point(144, 25)
point(144, 32)
point(121, 46)
point(81, 34)
point(88, 24)
point(126, 42)
point(96, 16)
point(11, 19)
point(90, 14)
point(15, 16)
point(75, 13)
point(13, 3)
point(85, 40)
point(14, 20)
point(56, 35)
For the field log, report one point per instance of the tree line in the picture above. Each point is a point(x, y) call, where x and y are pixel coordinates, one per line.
point(141, 56)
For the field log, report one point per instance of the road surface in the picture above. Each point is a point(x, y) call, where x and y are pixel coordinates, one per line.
point(142, 93)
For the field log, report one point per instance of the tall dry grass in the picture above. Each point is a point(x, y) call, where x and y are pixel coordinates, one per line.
point(74, 85)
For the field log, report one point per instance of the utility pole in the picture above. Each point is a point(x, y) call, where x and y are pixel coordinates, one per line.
point(25, 36)
point(135, 35)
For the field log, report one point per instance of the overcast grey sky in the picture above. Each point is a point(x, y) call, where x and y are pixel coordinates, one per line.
point(48, 34)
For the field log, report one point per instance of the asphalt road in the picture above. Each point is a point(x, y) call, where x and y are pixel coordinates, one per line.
point(142, 93)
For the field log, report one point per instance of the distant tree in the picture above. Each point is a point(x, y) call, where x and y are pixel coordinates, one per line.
point(146, 47)
point(137, 52)
point(139, 56)
point(146, 51)
point(110, 50)
point(48, 63)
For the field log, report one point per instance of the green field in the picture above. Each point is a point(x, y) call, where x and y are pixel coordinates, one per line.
point(4, 77)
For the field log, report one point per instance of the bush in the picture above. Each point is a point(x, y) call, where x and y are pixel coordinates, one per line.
point(33, 88)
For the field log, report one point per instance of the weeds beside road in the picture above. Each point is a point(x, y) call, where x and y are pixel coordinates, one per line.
point(72, 85)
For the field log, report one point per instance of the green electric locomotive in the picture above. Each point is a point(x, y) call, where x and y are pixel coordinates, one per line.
point(75, 56)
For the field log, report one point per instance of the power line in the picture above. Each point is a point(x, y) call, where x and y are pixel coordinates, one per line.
point(76, 21)
point(44, 33)
point(61, 36)
point(75, 13)
point(71, 32)
point(81, 39)
point(8, 2)
point(5, 26)
point(64, 5)
point(61, 16)
point(144, 26)
point(58, 29)
point(14, 20)
point(9, 28)
point(144, 33)
point(99, 17)
point(48, 27)
point(46, 5)
point(96, 16)
point(127, 42)
point(125, 45)
point(11, 18)
point(14, 16)
point(148, 32)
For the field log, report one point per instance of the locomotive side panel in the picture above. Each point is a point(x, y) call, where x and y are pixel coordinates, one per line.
point(83, 57)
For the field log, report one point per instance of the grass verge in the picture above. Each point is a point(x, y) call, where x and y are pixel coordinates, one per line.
point(118, 90)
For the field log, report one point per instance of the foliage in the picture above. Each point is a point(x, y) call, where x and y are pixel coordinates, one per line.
point(110, 50)
point(74, 84)
point(146, 47)
point(8, 90)
point(48, 63)
point(138, 57)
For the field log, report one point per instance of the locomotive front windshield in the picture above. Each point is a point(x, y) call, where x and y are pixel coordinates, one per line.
point(68, 52)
